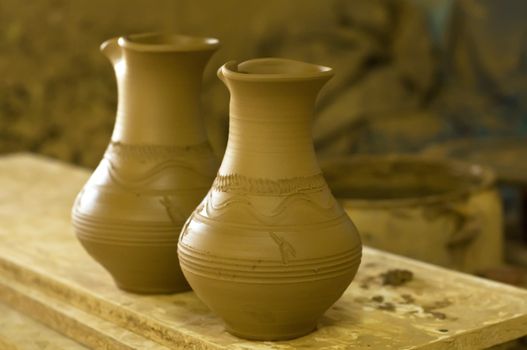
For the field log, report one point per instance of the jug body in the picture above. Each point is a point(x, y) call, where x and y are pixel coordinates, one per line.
point(269, 249)
point(158, 164)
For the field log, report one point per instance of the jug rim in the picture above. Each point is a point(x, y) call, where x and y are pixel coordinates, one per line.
point(274, 69)
point(167, 42)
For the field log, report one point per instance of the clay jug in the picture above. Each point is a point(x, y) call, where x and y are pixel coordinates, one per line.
point(157, 167)
point(269, 249)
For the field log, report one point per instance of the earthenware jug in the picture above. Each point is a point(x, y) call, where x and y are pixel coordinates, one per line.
point(157, 167)
point(269, 249)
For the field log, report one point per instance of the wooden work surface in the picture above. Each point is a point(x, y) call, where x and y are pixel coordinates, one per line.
point(45, 273)
point(19, 332)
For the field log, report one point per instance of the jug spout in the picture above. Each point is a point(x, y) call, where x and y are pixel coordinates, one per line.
point(111, 49)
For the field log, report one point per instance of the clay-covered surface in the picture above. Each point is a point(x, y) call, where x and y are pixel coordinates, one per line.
point(431, 308)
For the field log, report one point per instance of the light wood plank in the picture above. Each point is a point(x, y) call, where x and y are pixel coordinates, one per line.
point(87, 329)
point(19, 332)
point(438, 309)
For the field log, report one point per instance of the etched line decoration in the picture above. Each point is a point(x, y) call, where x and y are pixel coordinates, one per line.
point(268, 271)
point(235, 183)
point(151, 153)
point(148, 175)
point(173, 212)
point(217, 209)
point(286, 249)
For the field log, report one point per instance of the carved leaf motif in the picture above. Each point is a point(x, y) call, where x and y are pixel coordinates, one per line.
point(286, 248)
point(174, 213)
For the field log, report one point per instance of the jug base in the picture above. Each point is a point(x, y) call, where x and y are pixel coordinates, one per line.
point(146, 290)
point(272, 333)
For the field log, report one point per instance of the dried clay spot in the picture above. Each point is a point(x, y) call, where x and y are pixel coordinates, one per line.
point(396, 277)
point(437, 305)
point(377, 298)
point(386, 307)
point(431, 309)
point(365, 282)
point(408, 299)
point(286, 249)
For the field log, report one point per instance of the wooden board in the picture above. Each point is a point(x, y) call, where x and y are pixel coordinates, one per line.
point(437, 309)
point(72, 322)
point(19, 332)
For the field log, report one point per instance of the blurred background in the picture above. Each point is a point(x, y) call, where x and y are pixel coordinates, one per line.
point(444, 77)
point(409, 73)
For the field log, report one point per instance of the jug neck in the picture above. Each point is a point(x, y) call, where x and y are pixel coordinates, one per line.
point(159, 88)
point(271, 117)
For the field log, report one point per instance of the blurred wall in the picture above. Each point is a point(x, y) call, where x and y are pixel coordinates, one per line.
point(57, 92)
point(408, 72)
